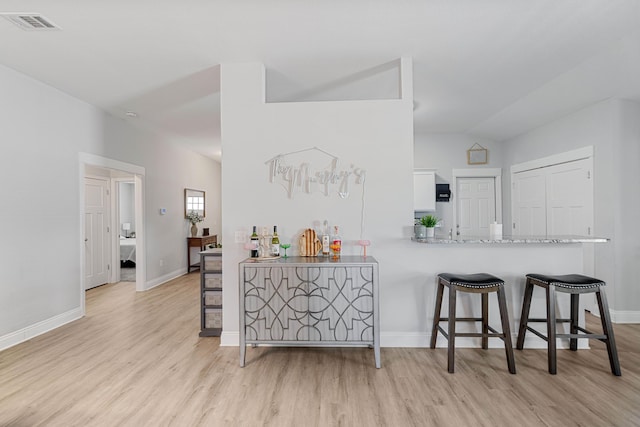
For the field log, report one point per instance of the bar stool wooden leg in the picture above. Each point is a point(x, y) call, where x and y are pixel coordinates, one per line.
point(526, 307)
point(436, 314)
point(607, 327)
point(452, 329)
point(506, 330)
point(551, 328)
point(485, 320)
point(575, 302)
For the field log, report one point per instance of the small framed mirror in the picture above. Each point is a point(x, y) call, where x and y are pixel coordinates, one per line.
point(193, 201)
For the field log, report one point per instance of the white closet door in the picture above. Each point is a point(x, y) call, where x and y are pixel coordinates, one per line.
point(529, 203)
point(476, 205)
point(570, 199)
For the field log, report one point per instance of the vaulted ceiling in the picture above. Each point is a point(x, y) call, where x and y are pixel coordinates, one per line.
point(493, 68)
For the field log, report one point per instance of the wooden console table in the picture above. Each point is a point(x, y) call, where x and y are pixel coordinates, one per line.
point(198, 242)
point(310, 301)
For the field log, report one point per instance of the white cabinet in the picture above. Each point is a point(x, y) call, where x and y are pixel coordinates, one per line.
point(424, 190)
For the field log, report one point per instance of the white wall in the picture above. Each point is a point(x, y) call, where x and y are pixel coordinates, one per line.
point(445, 152)
point(627, 211)
point(358, 132)
point(611, 127)
point(43, 132)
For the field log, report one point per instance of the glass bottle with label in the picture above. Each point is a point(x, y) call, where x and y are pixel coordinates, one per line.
point(336, 242)
point(275, 242)
point(326, 240)
point(255, 240)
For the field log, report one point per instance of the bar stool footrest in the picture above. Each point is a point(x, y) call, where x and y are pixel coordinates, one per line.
point(479, 335)
point(545, 320)
point(539, 334)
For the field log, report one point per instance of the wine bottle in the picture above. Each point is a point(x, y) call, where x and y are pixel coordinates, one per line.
point(256, 242)
point(336, 242)
point(326, 241)
point(275, 242)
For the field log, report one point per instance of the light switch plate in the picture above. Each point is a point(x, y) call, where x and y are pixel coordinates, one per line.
point(241, 237)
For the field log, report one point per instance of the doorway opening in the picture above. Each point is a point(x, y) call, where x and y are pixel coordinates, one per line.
point(125, 269)
point(115, 172)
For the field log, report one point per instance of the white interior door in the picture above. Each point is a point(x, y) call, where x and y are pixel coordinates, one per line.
point(476, 206)
point(529, 203)
point(96, 235)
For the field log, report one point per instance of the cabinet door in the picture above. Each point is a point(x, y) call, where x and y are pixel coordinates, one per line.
point(424, 191)
point(340, 304)
point(276, 304)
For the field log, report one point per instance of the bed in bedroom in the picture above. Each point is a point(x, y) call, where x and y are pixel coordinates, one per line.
point(128, 251)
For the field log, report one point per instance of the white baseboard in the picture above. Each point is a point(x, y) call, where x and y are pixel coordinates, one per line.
point(229, 339)
point(625, 316)
point(164, 279)
point(404, 339)
point(422, 340)
point(620, 316)
point(25, 334)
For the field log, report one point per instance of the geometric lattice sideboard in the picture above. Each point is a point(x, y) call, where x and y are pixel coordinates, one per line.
point(310, 301)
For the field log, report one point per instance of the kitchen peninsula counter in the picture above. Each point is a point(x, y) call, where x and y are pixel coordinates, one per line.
point(511, 239)
point(510, 258)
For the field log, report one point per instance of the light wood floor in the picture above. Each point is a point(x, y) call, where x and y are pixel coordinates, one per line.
point(136, 360)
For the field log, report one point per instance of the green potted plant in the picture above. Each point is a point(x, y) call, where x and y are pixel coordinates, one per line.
point(429, 221)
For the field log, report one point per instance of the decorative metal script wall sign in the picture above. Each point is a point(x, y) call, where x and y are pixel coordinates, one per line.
point(313, 170)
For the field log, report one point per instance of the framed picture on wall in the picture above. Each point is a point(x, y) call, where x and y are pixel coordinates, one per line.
point(477, 155)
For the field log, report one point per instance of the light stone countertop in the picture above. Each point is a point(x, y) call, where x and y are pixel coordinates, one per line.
point(512, 239)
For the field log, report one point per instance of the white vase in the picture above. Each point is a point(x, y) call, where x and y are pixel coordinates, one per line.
point(431, 232)
point(194, 230)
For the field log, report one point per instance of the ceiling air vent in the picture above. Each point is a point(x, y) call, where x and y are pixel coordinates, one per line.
point(30, 21)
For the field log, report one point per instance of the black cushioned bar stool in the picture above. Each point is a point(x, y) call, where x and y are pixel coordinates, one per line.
point(476, 283)
point(574, 284)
